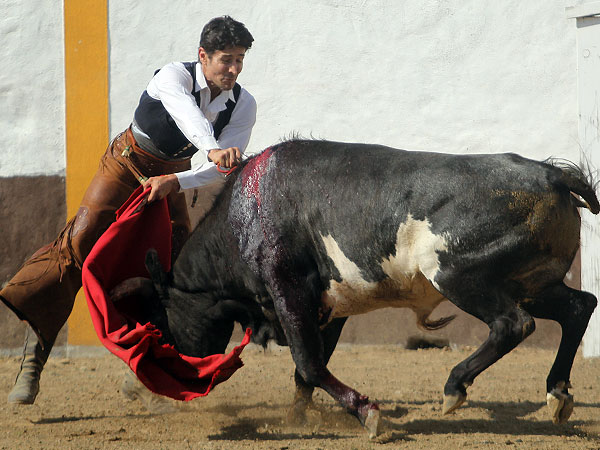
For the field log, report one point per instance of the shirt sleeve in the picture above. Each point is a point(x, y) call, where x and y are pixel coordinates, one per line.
point(235, 134)
point(173, 87)
point(202, 175)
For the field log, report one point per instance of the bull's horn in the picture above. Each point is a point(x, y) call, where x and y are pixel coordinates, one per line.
point(157, 273)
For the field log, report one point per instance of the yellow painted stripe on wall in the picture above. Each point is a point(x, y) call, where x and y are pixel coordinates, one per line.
point(86, 92)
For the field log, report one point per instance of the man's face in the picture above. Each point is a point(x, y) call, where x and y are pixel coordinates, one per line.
point(222, 68)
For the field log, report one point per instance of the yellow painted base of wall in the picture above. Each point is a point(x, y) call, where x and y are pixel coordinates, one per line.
point(81, 331)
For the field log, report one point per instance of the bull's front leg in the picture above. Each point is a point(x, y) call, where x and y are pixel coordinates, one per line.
point(297, 312)
point(303, 396)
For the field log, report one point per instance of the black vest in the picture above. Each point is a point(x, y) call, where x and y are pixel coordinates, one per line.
point(154, 120)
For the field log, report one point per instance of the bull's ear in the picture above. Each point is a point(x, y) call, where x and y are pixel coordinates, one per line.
point(137, 286)
point(230, 310)
point(157, 273)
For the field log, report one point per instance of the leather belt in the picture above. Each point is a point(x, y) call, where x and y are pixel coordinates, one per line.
point(144, 165)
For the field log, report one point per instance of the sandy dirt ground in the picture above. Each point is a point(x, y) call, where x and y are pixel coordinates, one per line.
point(81, 407)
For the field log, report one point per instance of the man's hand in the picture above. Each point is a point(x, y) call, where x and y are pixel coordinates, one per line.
point(227, 157)
point(161, 186)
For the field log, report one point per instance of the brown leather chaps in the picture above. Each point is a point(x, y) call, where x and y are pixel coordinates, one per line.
point(43, 290)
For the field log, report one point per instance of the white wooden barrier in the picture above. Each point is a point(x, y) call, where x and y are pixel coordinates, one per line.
point(587, 17)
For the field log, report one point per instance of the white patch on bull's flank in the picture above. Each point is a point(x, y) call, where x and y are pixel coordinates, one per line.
point(349, 271)
point(411, 270)
point(416, 251)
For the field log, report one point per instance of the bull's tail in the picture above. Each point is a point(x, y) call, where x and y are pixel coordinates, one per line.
point(424, 323)
point(575, 180)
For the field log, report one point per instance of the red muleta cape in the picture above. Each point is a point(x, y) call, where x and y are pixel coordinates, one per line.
point(118, 255)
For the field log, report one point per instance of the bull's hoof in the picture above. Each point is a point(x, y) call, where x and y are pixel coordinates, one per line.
point(133, 389)
point(296, 415)
point(372, 421)
point(452, 402)
point(560, 403)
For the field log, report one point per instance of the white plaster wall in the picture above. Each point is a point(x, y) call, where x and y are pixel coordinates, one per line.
point(32, 88)
point(442, 75)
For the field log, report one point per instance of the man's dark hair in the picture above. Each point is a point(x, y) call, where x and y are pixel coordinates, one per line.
point(223, 32)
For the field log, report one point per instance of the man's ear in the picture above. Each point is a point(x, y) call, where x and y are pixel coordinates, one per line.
point(202, 55)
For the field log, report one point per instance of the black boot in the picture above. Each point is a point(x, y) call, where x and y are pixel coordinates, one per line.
point(27, 384)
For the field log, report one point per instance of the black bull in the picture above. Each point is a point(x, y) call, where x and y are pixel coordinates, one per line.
point(310, 232)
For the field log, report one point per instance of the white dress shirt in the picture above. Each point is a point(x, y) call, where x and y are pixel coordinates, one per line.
point(172, 85)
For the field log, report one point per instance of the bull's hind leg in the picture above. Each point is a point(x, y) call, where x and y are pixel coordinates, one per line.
point(572, 310)
point(509, 325)
point(304, 391)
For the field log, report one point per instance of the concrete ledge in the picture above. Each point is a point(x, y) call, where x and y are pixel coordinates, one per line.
point(62, 351)
point(584, 10)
